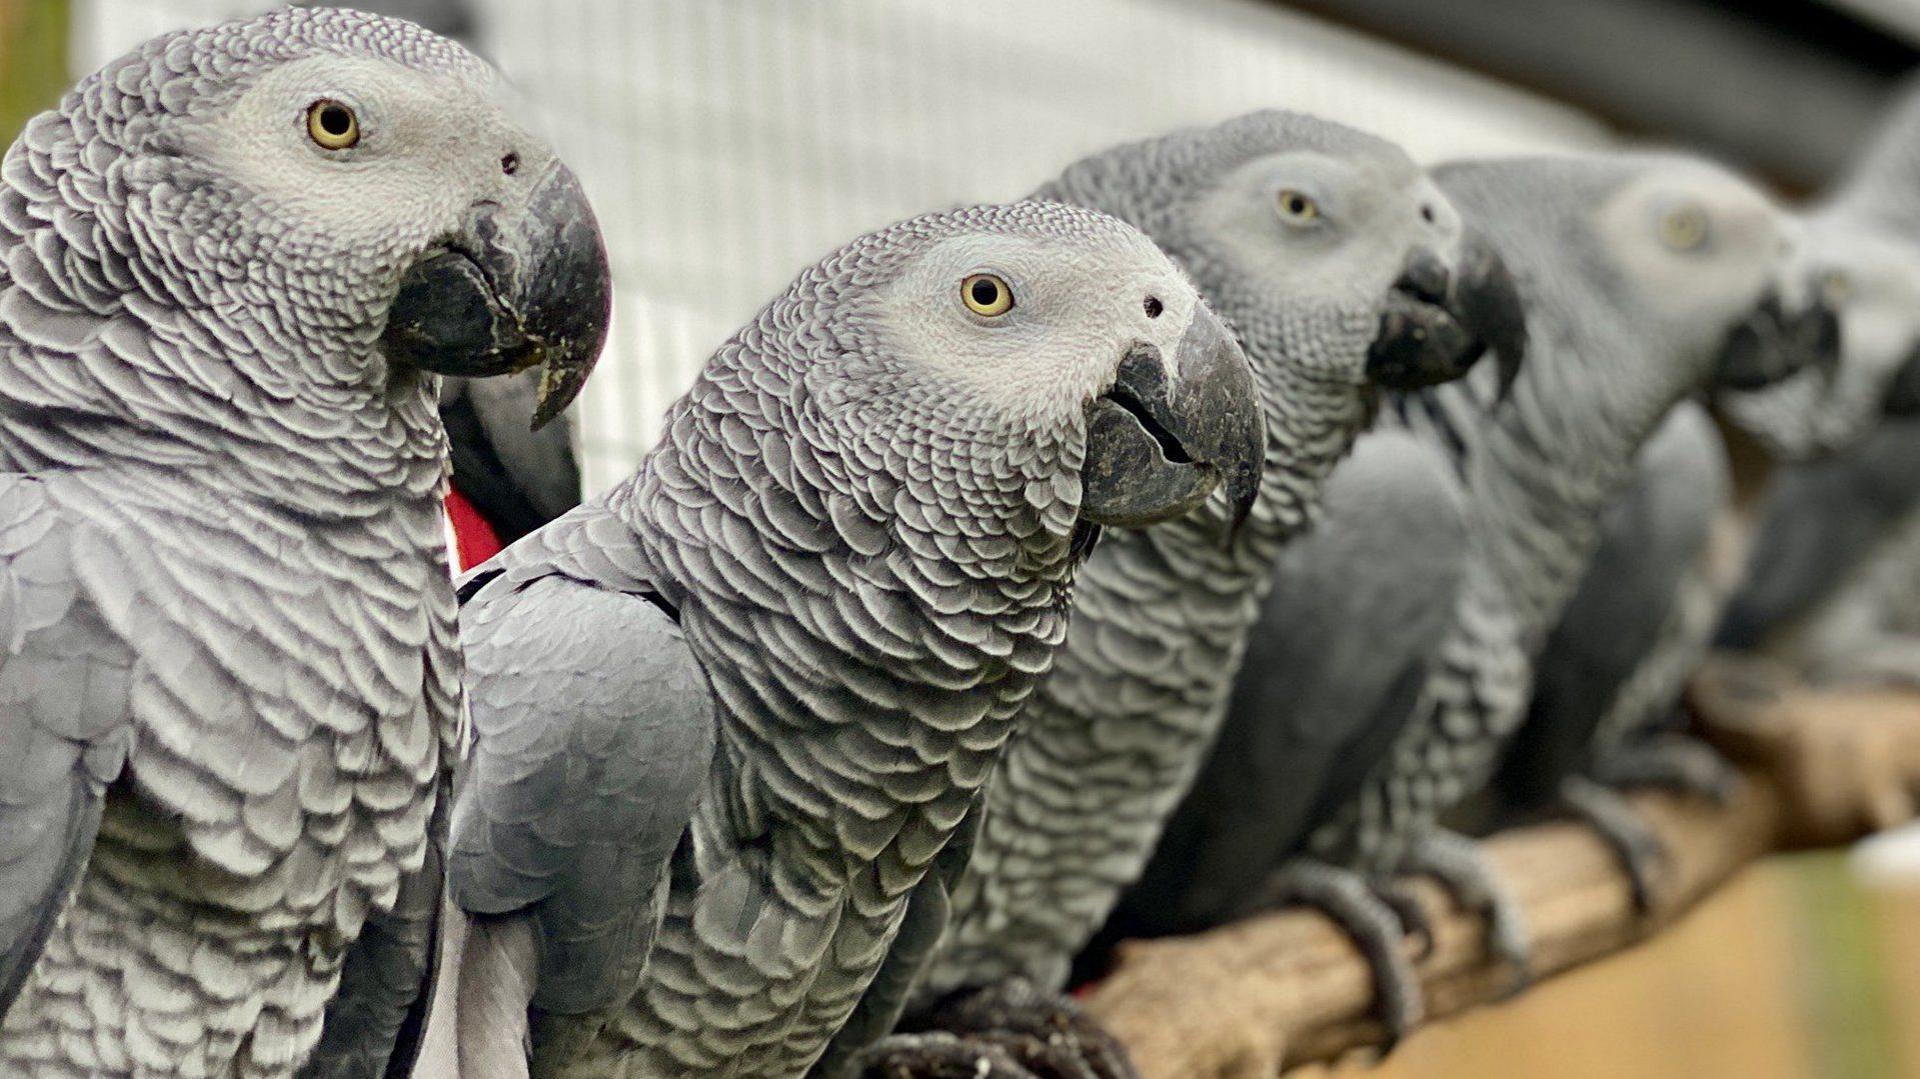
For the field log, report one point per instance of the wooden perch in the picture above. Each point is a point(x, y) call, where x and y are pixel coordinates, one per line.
point(1251, 999)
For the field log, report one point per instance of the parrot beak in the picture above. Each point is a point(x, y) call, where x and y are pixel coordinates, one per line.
point(1157, 446)
point(1772, 344)
point(1437, 324)
point(524, 285)
point(1903, 397)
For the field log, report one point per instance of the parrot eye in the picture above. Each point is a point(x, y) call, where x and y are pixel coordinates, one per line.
point(1297, 207)
point(332, 126)
point(1684, 228)
point(986, 295)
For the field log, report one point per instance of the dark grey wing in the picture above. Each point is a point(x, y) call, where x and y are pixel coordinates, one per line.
point(519, 479)
point(65, 701)
point(377, 1017)
point(928, 910)
point(593, 735)
point(1816, 524)
point(1332, 670)
point(1651, 538)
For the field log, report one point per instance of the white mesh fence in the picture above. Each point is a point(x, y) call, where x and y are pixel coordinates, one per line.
point(727, 143)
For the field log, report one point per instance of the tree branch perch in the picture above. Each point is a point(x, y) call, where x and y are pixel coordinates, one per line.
point(1247, 1000)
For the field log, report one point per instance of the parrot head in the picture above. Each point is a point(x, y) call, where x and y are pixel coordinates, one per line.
point(1712, 260)
point(993, 336)
point(1656, 273)
point(1331, 252)
point(1871, 282)
point(351, 196)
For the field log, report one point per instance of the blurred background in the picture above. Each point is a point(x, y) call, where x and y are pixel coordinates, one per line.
point(727, 143)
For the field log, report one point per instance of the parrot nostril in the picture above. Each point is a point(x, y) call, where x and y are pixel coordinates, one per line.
point(1153, 307)
point(1426, 212)
point(510, 164)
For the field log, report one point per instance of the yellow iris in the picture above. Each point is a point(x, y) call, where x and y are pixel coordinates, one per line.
point(1684, 228)
point(986, 295)
point(332, 126)
point(1296, 206)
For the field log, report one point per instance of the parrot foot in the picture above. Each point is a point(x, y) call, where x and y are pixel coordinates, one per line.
point(1009, 1023)
point(1459, 865)
point(1377, 919)
point(935, 1054)
point(1672, 762)
point(1640, 851)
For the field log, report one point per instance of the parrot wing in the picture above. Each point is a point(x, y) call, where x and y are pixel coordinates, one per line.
point(65, 700)
point(1817, 524)
point(594, 734)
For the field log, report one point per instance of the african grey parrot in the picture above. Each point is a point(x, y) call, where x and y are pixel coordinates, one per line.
point(231, 264)
point(1635, 271)
point(730, 715)
point(1608, 683)
point(1832, 584)
point(1344, 268)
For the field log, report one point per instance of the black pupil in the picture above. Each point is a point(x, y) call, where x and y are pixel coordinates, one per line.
point(335, 121)
point(510, 164)
point(1426, 214)
point(986, 293)
point(1153, 307)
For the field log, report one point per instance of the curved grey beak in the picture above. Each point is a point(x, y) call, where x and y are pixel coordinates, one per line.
point(1772, 344)
point(1903, 397)
point(1161, 440)
point(522, 285)
point(1438, 323)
